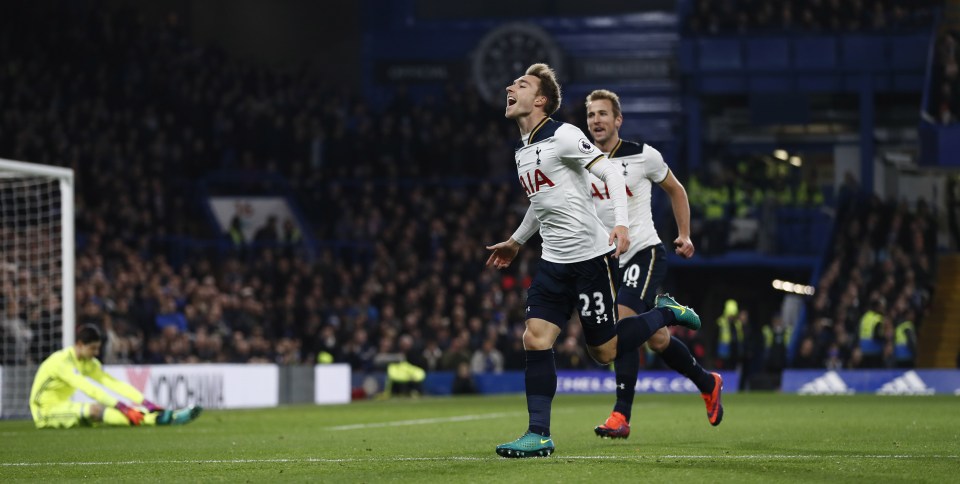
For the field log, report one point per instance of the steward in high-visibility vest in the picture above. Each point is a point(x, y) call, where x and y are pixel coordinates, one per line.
point(238, 241)
point(871, 335)
point(729, 335)
point(776, 340)
point(404, 378)
point(905, 344)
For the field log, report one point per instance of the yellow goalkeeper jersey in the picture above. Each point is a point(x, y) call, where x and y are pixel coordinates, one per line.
point(62, 373)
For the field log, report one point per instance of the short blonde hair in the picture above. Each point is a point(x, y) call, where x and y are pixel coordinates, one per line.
point(609, 96)
point(549, 87)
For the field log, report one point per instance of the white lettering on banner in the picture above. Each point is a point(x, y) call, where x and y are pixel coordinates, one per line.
point(665, 385)
point(585, 384)
point(646, 384)
point(179, 391)
point(209, 385)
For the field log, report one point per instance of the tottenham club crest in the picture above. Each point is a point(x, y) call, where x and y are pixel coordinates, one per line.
point(585, 146)
point(538, 156)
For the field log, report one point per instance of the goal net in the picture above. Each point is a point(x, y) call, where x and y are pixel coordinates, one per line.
point(36, 274)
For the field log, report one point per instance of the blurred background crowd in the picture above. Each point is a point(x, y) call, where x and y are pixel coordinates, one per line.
point(140, 111)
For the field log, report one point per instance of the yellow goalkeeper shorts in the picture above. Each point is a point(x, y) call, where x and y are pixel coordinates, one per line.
point(61, 416)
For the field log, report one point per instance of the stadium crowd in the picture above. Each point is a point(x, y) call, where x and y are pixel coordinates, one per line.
point(710, 17)
point(944, 102)
point(872, 296)
point(139, 112)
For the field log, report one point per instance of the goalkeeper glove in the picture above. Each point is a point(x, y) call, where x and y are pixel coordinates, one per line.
point(132, 414)
point(150, 406)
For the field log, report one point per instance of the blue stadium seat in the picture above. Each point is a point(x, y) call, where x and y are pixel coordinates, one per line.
point(720, 54)
point(863, 52)
point(909, 53)
point(687, 55)
point(815, 53)
point(768, 53)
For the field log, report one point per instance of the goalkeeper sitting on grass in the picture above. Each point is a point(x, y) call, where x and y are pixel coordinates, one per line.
point(67, 370)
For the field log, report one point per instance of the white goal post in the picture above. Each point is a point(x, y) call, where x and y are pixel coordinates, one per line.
point(37, 294)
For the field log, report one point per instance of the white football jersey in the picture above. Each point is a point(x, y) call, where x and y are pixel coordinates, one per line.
point(642, 166)
point(553, 163)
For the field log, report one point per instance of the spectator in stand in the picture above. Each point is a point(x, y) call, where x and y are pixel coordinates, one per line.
point(463, 383)
point(882, 257)
point(711, 17)
point(487, 359)
point(457, 353)
point(570, 355)
point(169, 316)
point(731, 337)
point(944, 107)
point(268, 233)
point(776, 340)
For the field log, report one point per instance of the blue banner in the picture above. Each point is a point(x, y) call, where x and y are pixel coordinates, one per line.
point(584, 381)
point(880, 382)
point(647, 382)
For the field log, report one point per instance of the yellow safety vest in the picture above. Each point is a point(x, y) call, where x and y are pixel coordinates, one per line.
point(902, 349)
point(768, 336)
point(868, 324)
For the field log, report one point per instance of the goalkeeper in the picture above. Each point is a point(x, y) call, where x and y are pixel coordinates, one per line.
point(67, 370)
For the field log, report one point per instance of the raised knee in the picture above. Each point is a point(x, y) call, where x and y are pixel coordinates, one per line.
point(602, 356)
point(536, 342)
point(605, 359)
point(659, 341)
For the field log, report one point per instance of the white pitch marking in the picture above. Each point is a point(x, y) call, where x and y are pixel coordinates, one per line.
point(309, 460)
point(426, 421)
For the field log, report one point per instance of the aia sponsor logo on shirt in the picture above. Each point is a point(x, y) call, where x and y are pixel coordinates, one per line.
point(605, 193)
point(532, 183)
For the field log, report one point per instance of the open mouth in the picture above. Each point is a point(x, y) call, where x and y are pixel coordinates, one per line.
point(511, 100)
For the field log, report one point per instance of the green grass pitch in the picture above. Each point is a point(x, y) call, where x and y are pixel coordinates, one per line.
point(763, 438)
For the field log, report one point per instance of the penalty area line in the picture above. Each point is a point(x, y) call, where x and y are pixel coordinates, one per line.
point(317, 460)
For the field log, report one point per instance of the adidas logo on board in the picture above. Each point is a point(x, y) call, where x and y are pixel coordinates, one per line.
point(907, 384)
point(828, 384)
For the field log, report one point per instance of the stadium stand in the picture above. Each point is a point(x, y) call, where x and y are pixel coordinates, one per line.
point(167, 288)
point(881, 271)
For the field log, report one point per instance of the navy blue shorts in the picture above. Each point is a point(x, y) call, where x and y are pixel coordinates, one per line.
point(642, 278)
point(588, 286)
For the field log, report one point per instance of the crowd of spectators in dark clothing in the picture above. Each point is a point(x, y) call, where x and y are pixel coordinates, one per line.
point(882, 261)
point(138, 112)
point(944, 102)
point(711, 17)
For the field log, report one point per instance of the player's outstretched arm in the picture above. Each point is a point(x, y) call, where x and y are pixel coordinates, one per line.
point(122, 388)
point(80, 382)
point(683, 246)
point(503, 253)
